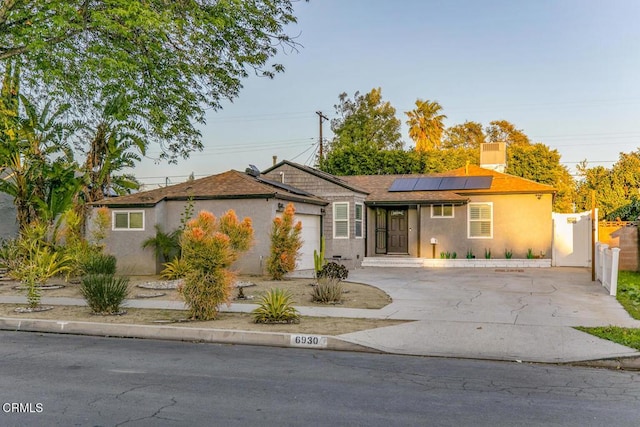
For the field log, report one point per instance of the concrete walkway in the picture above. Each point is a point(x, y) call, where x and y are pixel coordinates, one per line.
point(518, 315)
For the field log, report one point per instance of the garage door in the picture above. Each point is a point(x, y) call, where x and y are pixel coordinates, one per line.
point(310, 238)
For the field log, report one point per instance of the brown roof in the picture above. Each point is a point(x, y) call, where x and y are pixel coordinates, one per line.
point(378, 188)
point(227, 185)
point(501, 183)
point(342, 181)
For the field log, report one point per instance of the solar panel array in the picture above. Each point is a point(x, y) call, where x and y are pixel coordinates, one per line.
point(442, 183)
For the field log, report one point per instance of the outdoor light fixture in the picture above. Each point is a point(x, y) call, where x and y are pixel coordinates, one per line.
point(539, 196)
point(280, 207)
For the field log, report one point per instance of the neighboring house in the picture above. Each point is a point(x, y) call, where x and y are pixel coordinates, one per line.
point(133, 217)
point(469, 209)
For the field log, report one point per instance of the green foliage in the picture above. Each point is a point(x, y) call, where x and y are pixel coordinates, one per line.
point(508, 253)
point(333, 270)
point(426, 125)
point(98, 263)
point(470, 254)
point(36, 269)
point(176, 269)
point(104, 293)
point(504, 131)
point(166, 246)
point(209, 247)
point(364, 126)
point(530, 253)
point(539, 163)
point(454, 255)
point(628, 212)
point(468, 135)
point(276, 306)
point(629, 292)
point(285, 244)
point(327, 291)
point(629, 337)
point(487, 253)
point(174, 60)
point(319, 259)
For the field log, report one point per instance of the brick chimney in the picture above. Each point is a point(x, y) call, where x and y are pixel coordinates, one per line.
point(493, 155)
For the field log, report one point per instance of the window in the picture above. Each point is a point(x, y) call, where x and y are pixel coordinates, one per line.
point(481, 220)
point(341, 220)
point(359, 216)
point(129, 220)
point(441, 211)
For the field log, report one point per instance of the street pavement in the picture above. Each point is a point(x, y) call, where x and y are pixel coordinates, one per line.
point(523, 315)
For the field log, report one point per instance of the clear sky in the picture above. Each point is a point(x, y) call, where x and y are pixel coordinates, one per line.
point(566, 72)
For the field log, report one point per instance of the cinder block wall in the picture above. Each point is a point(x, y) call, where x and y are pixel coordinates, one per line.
point(627, 239)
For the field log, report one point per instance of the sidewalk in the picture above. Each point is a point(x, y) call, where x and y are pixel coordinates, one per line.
point(524, 315)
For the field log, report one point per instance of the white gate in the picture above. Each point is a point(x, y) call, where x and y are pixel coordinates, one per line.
point(572, 239)
point(310, 240)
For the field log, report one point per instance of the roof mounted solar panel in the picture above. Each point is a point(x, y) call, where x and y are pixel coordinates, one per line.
point(478, 183)
point(403, 184)
point(428, 184)
point(452, 183)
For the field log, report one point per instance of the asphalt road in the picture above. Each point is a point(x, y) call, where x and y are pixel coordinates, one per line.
point(62, 380)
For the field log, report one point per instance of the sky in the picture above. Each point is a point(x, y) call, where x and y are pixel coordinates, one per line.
point(565, 72)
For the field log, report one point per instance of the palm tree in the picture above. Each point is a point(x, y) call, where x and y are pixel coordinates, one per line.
point(426, 124)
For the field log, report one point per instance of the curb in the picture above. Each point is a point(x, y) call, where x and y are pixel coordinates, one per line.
point(631, 363)
point(175, 333)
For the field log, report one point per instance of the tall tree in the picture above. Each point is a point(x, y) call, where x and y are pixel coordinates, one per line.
point(504, 131)
point(426, 124)
point(174, 59)
point(466, 135)
point(539, 163)
point(364, 126)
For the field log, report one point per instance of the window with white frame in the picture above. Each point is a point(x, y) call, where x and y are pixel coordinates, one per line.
point(441, 211)
point(359, 216)
point(480, 220)
point(341, 220)
point(128, 220)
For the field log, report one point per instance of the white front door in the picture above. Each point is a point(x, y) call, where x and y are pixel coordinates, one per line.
point(310, 240)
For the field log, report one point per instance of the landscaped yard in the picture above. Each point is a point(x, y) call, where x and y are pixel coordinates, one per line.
point(355, 296)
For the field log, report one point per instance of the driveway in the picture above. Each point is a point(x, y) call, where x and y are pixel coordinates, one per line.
point(523, 314)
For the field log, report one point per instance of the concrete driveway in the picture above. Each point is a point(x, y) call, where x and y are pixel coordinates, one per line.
point(524, 315)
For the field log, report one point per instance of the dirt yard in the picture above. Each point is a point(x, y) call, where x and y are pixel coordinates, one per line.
point(356, 295)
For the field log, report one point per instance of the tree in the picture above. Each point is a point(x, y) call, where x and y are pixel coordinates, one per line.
point(467, 135)
point(615, 188)
point(364, 126)
point(539, 163)
point(426, 124)
point(504, 131)
point(435, 161)
point(173, 59)
point(285, 244)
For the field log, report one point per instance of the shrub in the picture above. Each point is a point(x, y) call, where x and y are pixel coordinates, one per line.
point(104, 293)
point(209, 247)
point(334, 270)
point(285, 244)
point(487, 253)
point(176, 269)
point(470, 254)
point(508, 253)
point(327, 291)
point(529, 253)
point(276, 307)
point(98, 263)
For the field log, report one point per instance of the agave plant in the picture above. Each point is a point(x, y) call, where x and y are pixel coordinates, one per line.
point(276, 307)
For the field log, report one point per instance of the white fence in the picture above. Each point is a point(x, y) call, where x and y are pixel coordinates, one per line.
point(607, 267)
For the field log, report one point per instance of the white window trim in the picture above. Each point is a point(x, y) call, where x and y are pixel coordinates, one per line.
point(335, 205)
point(113, 220)
point(453, 211)
point(469, 220)
point(361, 221)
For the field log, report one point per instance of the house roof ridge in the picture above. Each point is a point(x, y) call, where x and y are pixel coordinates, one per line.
point(320, 174)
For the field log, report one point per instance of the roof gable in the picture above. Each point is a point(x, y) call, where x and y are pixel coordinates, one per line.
point(342, 181)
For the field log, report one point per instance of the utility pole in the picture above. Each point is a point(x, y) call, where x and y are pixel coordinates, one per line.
point(321, 117)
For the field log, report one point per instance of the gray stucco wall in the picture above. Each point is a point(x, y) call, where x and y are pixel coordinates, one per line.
point(520, 222)
point(8, 223)
point(351, 250)
point(133, 260)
